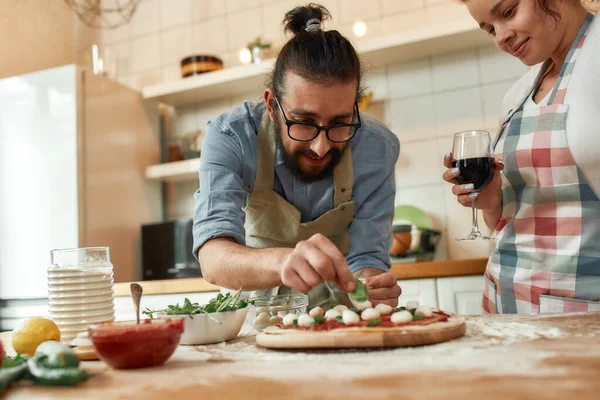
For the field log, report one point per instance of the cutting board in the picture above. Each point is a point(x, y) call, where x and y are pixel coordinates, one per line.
point(276, 338)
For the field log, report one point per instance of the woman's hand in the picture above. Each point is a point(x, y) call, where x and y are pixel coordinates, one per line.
point(489, 200)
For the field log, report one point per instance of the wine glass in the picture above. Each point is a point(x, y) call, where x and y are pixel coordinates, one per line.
point(472, 151)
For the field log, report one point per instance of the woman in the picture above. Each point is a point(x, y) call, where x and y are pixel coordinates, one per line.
point(543, 203)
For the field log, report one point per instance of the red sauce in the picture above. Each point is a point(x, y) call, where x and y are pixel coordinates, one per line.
point(386, 322)
point(128, 345)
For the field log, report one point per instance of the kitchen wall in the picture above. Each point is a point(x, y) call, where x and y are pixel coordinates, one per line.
point(423, 102)
point(42, 34)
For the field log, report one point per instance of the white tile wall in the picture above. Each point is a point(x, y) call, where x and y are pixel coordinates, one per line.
point(175, 13)
point(423, 102)
point(210, 36)
point(455, 71)
point(205, 9)
point(412, 79)
point(146, 18)
point(176, 43)
point(395, 6)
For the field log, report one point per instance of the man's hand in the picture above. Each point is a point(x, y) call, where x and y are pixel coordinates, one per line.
point(314, 261)
point(382, 286)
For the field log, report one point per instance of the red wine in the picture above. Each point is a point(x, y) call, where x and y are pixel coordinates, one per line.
point(478, 171)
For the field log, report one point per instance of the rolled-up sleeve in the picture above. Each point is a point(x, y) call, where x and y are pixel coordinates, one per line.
point(374, 193)
point(222, 194)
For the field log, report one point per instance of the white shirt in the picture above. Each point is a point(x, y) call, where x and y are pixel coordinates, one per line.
point(583, 99)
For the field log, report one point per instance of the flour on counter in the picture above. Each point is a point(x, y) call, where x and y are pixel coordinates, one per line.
point(485, 348)
point(509, 332)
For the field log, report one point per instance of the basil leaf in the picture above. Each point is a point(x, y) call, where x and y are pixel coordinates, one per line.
point(339, 318)
point(417, 317)
point(10, 362)
point(360, 293)
point(319, 319)
point(374, 321)
point(295, 323)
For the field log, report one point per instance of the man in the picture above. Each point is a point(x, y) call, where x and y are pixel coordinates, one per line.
point(299, 189)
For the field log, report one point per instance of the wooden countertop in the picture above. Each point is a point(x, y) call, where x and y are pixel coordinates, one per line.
point(414, 270)
point(550, 356)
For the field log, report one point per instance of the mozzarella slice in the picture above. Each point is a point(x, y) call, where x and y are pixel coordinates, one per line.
point(411, 305)
point(424, 311)
point(332, 314)
point(305, 320)
point(340, 308)
point(350, 317)
point(316, 312)
point(369, 314)
point(362, 305)
point(383, 309)
point(289, 319)
point(401, 317)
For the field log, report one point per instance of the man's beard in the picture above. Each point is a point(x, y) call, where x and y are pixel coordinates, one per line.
point(290, 160)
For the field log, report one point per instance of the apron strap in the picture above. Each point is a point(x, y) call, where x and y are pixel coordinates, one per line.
point(265, 161)
point(560, 88)
point(522, 102)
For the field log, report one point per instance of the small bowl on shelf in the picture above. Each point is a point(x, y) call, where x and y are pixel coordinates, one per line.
point(127, 345)
point(270, 310)
point(199, 64)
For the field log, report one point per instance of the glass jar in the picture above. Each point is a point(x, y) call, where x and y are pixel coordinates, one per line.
point(270, 310)
point(80, 289)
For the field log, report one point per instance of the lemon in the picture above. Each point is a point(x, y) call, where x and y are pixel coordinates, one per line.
point(32, 332)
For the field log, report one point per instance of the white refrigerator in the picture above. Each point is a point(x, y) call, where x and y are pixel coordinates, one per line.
point(73, 150)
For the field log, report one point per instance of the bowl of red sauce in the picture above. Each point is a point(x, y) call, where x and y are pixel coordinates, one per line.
point(126, 345)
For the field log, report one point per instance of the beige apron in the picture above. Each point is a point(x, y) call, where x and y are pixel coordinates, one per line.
point(271, 221)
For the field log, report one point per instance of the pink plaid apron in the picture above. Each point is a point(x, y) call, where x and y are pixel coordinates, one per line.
point(547, 252)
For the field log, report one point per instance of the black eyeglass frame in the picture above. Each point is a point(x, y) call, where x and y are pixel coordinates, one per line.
point(319, 128)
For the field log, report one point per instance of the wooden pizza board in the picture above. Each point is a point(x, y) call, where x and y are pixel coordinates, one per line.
point(276, 338)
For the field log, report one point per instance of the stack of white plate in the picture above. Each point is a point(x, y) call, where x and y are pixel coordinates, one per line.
point(78, 297)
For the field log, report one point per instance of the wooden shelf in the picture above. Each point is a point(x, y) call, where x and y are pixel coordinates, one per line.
point(400, 47)
point(174, 171)
point(209, 86)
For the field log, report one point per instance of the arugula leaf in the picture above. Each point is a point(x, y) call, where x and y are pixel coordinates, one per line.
point(220, 303)
point(417, 317)
point(319, 319)
point(360, 293)
point(374, 321)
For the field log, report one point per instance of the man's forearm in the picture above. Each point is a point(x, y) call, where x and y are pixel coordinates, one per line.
point(230, 265)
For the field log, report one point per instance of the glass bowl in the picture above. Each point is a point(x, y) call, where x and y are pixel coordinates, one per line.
point(270, 310)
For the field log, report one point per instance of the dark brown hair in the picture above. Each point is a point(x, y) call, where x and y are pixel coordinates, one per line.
point(317, 55)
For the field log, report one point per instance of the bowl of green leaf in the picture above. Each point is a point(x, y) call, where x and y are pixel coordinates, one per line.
point(219, 320)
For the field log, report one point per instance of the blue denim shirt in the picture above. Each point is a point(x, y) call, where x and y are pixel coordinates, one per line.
point(228, 168)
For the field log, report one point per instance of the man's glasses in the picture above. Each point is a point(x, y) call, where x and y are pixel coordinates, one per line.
point(306, 131)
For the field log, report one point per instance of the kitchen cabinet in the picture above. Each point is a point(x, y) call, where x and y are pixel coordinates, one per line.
point(461, 295)
point(421, 290)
